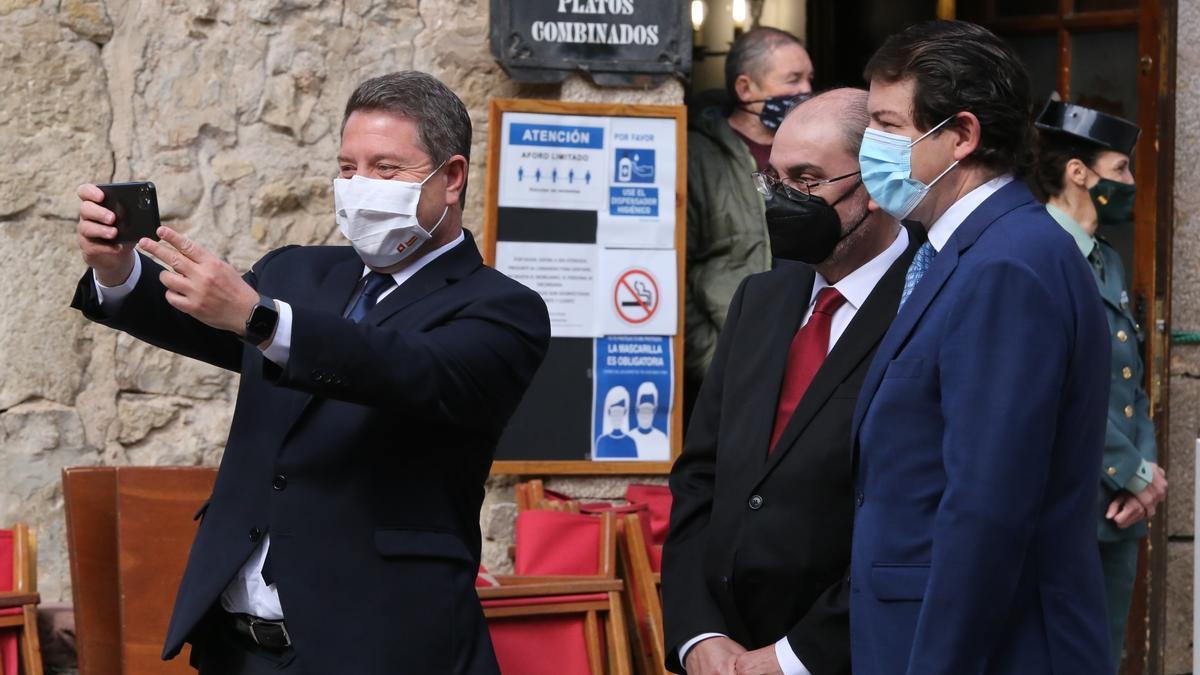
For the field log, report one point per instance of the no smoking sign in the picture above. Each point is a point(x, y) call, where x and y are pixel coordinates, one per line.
point(636, 296)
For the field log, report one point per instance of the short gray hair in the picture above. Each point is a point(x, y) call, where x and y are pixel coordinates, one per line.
point(748, 55)
point(848, 105)
point(443, 125)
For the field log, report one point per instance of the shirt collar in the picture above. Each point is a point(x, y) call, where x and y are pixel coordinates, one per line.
point(1085, 241)
point(944, 227)
point(408, 272)
point(857, 285)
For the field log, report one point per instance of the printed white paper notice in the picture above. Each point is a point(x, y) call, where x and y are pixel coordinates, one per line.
point(563, 274)
point(553, 161)
point(636, 292)
point(639, 211)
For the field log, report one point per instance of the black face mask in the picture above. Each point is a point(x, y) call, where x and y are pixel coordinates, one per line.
point(776, 108)
point(806, 231)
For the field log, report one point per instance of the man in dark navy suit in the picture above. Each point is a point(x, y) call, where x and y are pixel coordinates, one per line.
point(343, 532)
point(982, 418)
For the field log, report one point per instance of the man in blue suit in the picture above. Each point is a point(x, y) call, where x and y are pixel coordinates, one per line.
point(982, 417)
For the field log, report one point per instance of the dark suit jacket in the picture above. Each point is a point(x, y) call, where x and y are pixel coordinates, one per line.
point(759, 545)
point(977, 433)
point(364, 458)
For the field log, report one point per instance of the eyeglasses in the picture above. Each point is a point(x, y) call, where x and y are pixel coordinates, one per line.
point(769, 185)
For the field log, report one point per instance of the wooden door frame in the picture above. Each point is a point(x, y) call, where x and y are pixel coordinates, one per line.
point(1155, 217)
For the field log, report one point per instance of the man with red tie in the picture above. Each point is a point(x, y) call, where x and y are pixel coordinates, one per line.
point(759, 543)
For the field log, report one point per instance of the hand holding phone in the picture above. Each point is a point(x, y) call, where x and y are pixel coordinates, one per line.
point(96, 235)
point(135, 206)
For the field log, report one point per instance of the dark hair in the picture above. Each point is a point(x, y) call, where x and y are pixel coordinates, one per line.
point(443, 125)
point(1055, 150)
point(957, 66)
point(749, 53)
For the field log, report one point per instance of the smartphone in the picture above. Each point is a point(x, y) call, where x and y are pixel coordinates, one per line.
point(136, 208)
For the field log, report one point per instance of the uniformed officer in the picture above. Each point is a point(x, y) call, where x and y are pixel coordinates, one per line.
point(1083, 175)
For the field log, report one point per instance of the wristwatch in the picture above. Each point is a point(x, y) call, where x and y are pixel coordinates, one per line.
point(261, 324)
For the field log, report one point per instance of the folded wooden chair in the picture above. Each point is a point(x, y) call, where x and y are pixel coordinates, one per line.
point(18, 601)
point(562, 613)
point(644, 594)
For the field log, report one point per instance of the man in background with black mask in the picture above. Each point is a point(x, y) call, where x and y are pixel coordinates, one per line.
point(766, 73)
point(759, 540)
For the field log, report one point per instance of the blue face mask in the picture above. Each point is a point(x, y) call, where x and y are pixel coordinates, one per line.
point(886, 163)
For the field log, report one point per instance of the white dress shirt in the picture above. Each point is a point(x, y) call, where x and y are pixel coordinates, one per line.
point(855, 288)
point(954, 216)
point(247, 593)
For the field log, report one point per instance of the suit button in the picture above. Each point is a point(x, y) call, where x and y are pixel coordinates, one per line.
point(255, 534)
point(859, 498)
point(1129, 411)
point(1112, 470)
point(280, 482)
point(1127, 372)
point(756, 502)
point(1122, 336)
point(318, 376)
point(725, 581)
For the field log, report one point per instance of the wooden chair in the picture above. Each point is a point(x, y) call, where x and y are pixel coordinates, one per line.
point(643, 598)
point(645, 595)
point(553, 589)
point(129, 530)
point(19, 601)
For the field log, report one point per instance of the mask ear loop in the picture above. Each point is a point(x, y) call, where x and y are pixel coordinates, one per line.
point(439, 168)
point(927, 133)
point(445, 210)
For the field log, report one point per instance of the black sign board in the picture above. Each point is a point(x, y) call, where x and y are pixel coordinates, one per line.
point(615, 42)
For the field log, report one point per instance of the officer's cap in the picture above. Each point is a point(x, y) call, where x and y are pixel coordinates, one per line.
point(1107, 131)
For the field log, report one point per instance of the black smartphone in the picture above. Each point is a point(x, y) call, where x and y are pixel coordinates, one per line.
point(136, 208)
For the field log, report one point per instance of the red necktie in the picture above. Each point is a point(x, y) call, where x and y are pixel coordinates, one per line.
point(805, 357)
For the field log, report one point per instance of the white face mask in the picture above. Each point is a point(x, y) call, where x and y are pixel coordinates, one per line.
point(379, 217)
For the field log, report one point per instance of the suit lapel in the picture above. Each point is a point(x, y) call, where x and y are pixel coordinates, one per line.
point(780, 327)
point(867, 327)
point(339, 285)
point(1009, 197)
point(451, 266)
point(335, 290)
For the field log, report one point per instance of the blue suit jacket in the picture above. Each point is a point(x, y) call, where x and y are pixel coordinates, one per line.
point(976, 439)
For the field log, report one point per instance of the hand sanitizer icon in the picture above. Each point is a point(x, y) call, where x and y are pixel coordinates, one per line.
point(625, 169)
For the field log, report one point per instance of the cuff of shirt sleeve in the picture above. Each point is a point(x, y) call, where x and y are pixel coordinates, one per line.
point(789, 663)
point(687, 646)
point(111, 297)
point(281, 343)
point(1142, 479)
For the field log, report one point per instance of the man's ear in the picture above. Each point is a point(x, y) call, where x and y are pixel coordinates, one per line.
point(744, 87)
point(968, 133)
point(455, 170)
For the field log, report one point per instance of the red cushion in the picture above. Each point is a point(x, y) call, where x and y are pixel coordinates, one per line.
point(657, 499)
point(656, 558)
point(8, 651)
point(11, 611)
point(540, 645)
point(6, 560)
point(554, 542)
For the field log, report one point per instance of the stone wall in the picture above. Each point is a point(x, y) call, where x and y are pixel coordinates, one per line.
point(232, 109)
point(1185, 359)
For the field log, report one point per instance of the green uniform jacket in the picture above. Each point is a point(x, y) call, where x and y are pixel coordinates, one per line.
point(726, 232)
point(1130, 436)
point(1129, 441)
